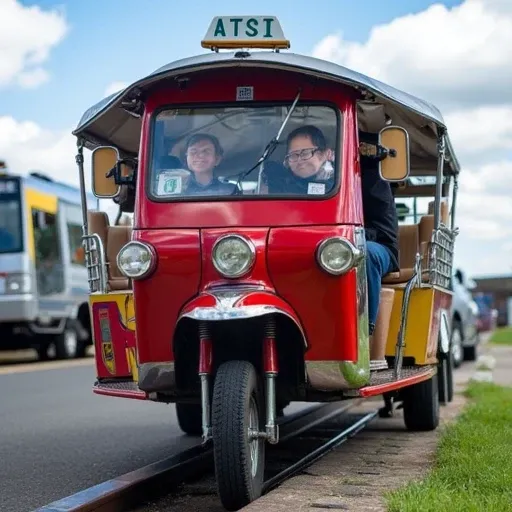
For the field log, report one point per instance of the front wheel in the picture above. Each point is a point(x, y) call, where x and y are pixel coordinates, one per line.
point(238, 410)
point(421, 405)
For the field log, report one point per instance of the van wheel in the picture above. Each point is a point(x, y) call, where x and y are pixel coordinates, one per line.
point(470, 353)
point(190, 418)
point(456, 344)
point(66, 343)
point(421, 405)
point(238, 410)
point(42, 350)
point(445, 373)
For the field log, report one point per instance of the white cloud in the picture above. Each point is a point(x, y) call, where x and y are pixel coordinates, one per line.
point(27, 36)
point(477, 131)
point(451, 56)
point(459, 58)
point(26, 147)
point(115, 87)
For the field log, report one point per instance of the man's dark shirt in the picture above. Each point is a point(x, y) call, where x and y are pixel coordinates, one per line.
point(379, 209)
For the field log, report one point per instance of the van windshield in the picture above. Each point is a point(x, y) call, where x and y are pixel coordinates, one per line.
point(11, 235)
point(198, 152)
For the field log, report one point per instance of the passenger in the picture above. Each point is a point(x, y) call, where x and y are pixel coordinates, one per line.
point(310, 161)
point(204, 153)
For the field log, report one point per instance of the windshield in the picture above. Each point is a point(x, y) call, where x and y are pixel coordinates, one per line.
point(10, 217)
point(209, 151)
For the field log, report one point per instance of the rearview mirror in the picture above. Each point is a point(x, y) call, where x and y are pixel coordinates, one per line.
point(104, 159)
point(395, 141)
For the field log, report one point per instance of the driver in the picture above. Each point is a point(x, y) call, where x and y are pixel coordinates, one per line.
point(203, 153)
point(310, 163)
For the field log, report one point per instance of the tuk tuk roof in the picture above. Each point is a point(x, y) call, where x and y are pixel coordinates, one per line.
point(107, 123)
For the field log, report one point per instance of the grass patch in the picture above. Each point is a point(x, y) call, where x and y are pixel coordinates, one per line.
point(473, 469)
point(502, 336)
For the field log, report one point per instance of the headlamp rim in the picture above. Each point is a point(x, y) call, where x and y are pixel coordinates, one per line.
point(252, 250)
point(153, 260)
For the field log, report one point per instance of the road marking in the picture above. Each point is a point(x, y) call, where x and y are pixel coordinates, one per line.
point(47, 365)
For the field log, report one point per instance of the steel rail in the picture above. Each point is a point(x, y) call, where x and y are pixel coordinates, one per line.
point(319, 452)
point(119, 494)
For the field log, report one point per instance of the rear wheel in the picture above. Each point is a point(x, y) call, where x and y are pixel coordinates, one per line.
point(238, 409)
point(190, 418)
point(421, 405)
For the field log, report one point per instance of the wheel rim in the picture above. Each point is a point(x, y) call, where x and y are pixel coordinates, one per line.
point(254, 442)
point(457, 346)
point(70, 342)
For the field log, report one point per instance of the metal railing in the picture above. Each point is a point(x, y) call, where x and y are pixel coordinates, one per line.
point(95, 263)
point(440, 253)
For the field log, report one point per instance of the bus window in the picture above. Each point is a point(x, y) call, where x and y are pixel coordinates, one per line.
point(11, 233)
point(49, 268)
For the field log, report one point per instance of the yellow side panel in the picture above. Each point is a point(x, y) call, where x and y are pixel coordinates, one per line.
point(418, 329)
point(41, 201)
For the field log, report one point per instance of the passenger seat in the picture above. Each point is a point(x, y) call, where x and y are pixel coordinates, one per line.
point(113, 239)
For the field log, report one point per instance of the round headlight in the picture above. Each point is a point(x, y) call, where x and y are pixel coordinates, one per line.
point(233, 256)
point(136, 260)
point(337, 255)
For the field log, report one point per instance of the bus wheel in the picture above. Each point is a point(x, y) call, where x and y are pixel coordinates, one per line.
point(421, 405)
point(238, 410)
point(445, 372)
point(66, 343)
point(190, 418)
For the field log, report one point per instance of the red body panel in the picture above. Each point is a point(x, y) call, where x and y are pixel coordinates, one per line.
point(110, 342)
point(159, 299)
point(325, 304)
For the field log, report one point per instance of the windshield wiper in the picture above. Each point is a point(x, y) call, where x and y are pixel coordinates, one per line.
point(269, 148)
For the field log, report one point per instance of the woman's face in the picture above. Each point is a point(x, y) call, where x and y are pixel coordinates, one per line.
point(304, 158)
point(201, 157)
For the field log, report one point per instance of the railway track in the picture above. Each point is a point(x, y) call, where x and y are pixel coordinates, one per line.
point(186, 481)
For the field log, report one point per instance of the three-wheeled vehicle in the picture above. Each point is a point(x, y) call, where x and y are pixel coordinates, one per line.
point(241, 285)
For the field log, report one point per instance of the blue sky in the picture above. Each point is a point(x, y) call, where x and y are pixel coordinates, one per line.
point(122, 40)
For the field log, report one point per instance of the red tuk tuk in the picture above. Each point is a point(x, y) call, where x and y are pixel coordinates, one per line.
point(232, 295)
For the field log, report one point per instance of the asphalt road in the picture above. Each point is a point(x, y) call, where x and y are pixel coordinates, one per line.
point(58, 438)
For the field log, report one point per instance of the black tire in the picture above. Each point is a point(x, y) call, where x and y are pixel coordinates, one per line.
point(64, 348)
point(446, 378)
point(190, 418)
point(470, 353)
point(235, 392)
point(457, 338)
point(42, 350)
point(421, 405)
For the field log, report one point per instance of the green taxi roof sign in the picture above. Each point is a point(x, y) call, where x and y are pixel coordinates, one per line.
point(245, 32)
